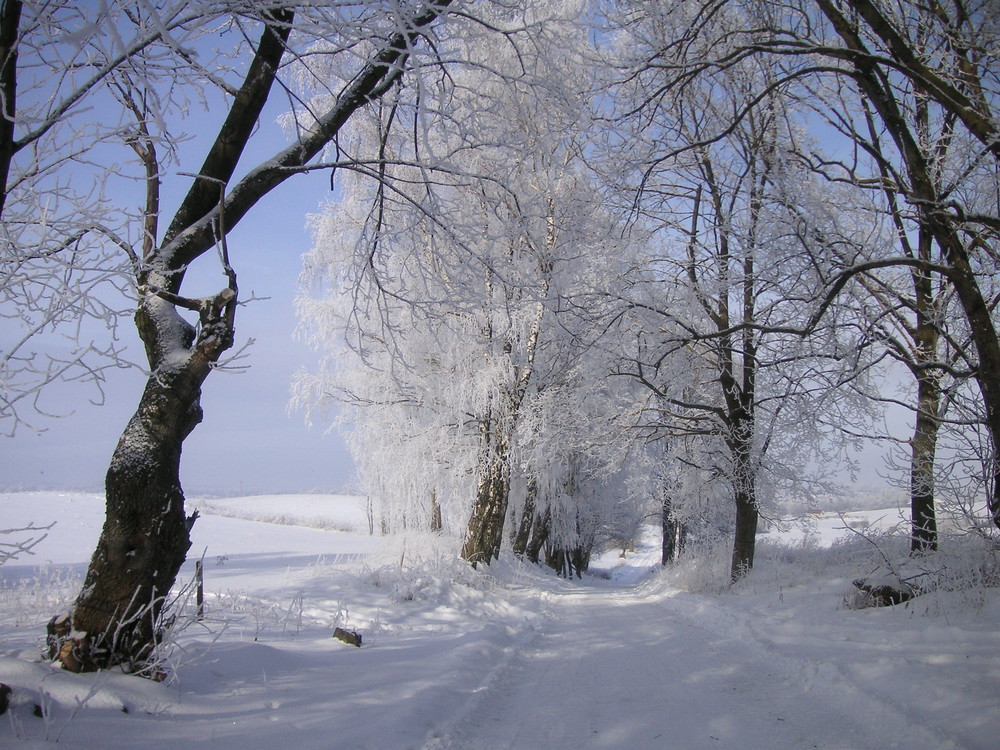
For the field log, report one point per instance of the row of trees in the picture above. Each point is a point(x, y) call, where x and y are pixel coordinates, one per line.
point(763, 205)
point(584, 261)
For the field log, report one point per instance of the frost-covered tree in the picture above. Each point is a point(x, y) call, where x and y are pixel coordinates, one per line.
point(926, 75)
point(468, 333)
point(910, 150)
point(914, 316)
point(68, 244)
point(743, 254)
point(115, 618)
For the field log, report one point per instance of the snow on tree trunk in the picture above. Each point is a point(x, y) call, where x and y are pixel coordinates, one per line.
point(145, 538)
point(485, 530)
point(924, 444)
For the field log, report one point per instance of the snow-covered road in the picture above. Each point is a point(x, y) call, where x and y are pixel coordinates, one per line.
point(507, 658)
point(626, 668)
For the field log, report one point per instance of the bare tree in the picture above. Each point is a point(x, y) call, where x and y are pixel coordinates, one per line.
point(910, 63)
point(740, 251)
point(115, 619)
point(951, 95)
point(64, 238)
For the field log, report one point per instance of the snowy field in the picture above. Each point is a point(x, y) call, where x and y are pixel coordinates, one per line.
point(511, 657)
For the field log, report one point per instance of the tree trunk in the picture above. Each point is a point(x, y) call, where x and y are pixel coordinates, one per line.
point(520, 543)
point(10, 24)
point(668, 549)
point(923, 453)
point(115, 619)
point(569, 562)
point(744, 543)
point(145, 536)
point(485, 531)
point(436, 521)
point(922, 516)
point(682, 535)
point(747, 516)
point(540, 529)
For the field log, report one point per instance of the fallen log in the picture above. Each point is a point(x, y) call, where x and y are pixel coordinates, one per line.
point(882, 592)
point(348, 636)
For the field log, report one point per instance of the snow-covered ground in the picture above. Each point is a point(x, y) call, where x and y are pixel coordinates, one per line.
point(509, 657)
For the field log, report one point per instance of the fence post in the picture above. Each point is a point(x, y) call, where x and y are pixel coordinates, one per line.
point(199, 596)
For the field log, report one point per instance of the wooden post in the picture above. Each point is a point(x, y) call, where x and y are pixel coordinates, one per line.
point(199, 596)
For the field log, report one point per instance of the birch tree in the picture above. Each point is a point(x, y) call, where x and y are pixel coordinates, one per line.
point(470, 324)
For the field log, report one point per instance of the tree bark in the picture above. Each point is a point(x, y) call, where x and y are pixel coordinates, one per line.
point(520, 543)
point(569, 562)
point(437, 523)
point(116, 617)
point(485, 531)
point(745, 540)
point(747, 515)
point(668, 548)
point(146, 534)
point(10, 23)
point(540, 530)
point(924, 447)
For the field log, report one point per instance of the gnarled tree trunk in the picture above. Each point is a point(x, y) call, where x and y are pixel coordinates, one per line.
point(145, 536)
point(116, 617)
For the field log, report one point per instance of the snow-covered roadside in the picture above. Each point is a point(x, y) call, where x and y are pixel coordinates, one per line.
point(512, 658)
point(648, 669)
point(262, 670)
point(779, 662)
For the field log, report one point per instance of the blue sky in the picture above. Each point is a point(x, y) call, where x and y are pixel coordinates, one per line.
point(248, 442)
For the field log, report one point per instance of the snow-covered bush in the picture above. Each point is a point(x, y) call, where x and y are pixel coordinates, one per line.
point(35, 598)
point(704, 566)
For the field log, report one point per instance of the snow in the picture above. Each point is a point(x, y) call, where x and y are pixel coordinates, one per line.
point(508, 657)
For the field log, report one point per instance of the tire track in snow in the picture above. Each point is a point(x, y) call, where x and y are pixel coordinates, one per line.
point(828, 682)
point(627, 668)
